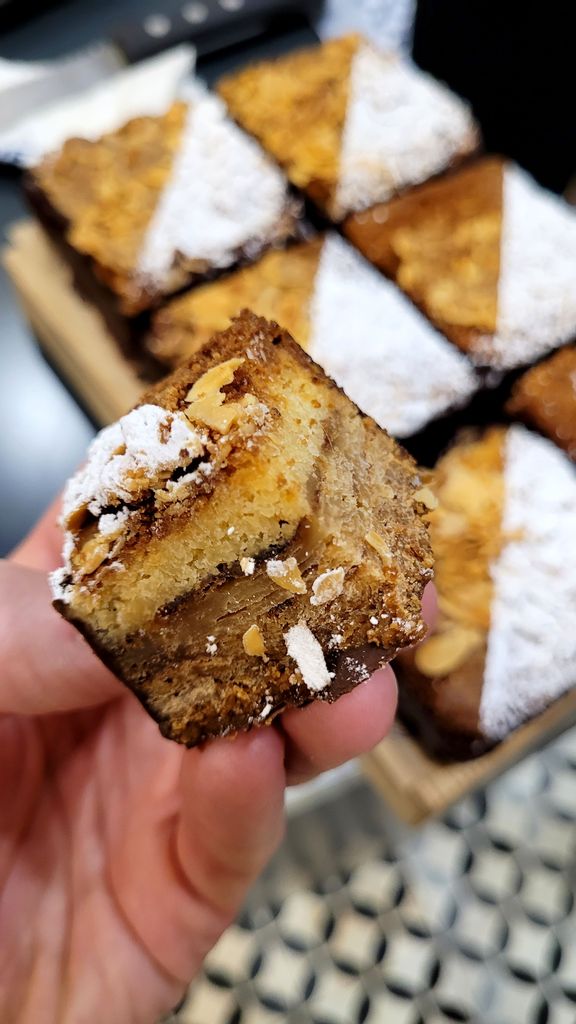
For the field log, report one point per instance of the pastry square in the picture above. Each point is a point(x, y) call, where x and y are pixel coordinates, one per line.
point(350, 125)
point(235, 538)
point(360, 327)
point(504, 540)
point(487, 254)
point(545, 397)
point(164, 200)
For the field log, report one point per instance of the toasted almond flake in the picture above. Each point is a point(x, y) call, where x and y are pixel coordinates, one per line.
point(212, 382)
point(376, 541)
point(253, 642)
point(445, 652)
point(94, 552)
point(328, 586)
point(427, 498)
point(206, 403)
point(286, 574)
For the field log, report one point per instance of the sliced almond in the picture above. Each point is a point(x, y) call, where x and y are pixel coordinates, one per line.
point(328, 586)
point(376, 541)
point(206, 403)
point(93, 553)
point(286, 574)
point(427, 498)
point(253, 642)
point(445, 652)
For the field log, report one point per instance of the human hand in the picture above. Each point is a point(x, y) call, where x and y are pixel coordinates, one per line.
point(124, 856)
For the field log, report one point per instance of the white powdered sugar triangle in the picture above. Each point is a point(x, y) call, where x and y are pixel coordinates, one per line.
point(378, 347)
point(531, 656)
point(536, 288)
point(401, 127)
point(223, 194)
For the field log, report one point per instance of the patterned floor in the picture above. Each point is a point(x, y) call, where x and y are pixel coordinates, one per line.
point(359, 920)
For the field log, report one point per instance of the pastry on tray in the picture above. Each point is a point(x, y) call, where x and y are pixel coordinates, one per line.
point(504, 541)
point(487, 254)
point(350, 125)
point(232, 540)
point(545, 396)
point(163, 200)
point(356, 324)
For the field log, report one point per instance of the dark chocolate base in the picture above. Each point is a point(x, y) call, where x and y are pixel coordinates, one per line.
point(442, 744)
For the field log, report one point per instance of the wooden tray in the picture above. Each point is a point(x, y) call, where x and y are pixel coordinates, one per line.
point(70, 331)
point(76, 341)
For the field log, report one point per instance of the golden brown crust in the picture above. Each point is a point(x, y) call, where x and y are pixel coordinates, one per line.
point(545, 397)
point(441, 243)
point(279, 287)
point(296, 107)
point(107, 191)
point(441, 681)
point(188, 661)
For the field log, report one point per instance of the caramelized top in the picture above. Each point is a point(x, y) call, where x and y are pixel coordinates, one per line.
point(441, 242)
point(546, 397)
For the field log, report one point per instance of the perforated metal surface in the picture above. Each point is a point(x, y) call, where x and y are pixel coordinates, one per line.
point(471, 918)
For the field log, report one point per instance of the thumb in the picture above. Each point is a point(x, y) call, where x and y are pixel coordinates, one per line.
point(45, 664)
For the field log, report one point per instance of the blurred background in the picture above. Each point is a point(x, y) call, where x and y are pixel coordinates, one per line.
point(512, 60)
point(361, 918)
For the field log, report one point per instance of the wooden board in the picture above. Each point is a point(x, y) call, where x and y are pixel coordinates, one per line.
point(72, 333)
point(417, 787)
point(76, 341)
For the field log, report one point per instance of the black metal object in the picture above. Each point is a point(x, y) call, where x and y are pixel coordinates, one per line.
point(212, 25)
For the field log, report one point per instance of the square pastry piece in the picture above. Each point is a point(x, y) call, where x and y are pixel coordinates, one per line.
point(350, 125)
point(163, 200)
point(504, 539)
point(545, 397)
point(360, 328)
point(232, 540)
point(487, 254)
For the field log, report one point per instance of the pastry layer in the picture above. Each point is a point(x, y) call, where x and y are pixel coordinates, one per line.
point(165, 199)
point(545, 397)
point(350, 319)
point(504, 647)
point(487, 254)
point(350, 125)
point(235, 535)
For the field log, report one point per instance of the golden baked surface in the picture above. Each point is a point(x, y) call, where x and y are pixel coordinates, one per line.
point(240, 531)
point(445, 674)
point(296, 106)
point(441, 243)
point(279, 286)
point(545, 397)
point(351, 125)
point(109, 189)
point(164, 200)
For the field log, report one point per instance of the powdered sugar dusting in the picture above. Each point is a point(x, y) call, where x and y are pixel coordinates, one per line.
point(379, 348)
point(401, 127)
point(536, 291)
point(304, 648)
point(531, 656)
point(224, 194)
point(127, 456)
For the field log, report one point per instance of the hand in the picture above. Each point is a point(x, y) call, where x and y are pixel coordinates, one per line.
point(124, 856)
